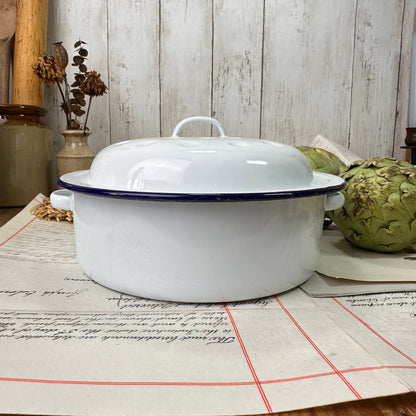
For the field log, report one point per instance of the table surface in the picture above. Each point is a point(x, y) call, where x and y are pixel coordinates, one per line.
point(399, 405)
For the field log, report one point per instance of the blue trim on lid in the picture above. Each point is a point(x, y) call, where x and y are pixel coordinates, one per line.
point(160, 196)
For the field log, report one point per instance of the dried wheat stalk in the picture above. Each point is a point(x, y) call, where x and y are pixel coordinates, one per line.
point(46, 211)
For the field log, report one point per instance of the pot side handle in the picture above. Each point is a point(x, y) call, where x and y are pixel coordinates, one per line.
point(188, 120)
point(334, 201)
point(62, 199)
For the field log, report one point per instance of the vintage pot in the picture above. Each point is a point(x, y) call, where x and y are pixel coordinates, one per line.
point(76, 153)
point(25, 154)
point(199, 219)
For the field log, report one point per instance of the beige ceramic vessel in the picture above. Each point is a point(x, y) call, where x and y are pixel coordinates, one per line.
point(76, 153)
point(25, 154)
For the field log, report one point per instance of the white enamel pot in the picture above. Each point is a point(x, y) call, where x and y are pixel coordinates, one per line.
point(199, 219)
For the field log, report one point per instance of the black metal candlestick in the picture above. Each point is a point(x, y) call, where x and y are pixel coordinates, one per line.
point(410, 143)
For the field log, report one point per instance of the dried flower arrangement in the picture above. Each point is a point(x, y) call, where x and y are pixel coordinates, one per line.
point(51, 69)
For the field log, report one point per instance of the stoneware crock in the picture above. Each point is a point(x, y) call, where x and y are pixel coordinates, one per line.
point(208, 219)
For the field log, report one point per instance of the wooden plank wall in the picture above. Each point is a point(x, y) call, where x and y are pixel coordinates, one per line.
point(282, 70)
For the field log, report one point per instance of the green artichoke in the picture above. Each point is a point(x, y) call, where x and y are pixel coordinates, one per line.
point(322, 160)
point(380, 204)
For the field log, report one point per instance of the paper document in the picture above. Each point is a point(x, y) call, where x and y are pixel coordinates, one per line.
point(338, 150)
point(320, 285)
point(70, 346)
point(339, 258)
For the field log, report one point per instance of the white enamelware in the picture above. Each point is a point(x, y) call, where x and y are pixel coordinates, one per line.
point(199, 219)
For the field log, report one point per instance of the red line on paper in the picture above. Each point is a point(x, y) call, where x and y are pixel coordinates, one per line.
point(200, 383)
point(126, 311)
point(298, 378)
point(374, 331)
point(379, 367)
point(129, 383)
point(17, 232)
point(250, 365)
point(326, 359)
point(332, 373)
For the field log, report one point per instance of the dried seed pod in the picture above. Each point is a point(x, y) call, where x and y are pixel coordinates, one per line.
point(78, 95)
point(61, 56)
point(78, 43)
point(83, 52)
point(77, 110)
point(79, 77)
point(77, 60)
point(64, 107)
point(75, 124)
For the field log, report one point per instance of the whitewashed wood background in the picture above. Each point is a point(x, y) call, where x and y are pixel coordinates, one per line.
point(282, 70)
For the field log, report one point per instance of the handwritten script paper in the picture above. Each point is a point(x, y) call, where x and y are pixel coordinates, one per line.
point(70, 346)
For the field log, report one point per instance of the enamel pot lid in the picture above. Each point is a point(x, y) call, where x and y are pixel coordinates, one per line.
point(201, 169)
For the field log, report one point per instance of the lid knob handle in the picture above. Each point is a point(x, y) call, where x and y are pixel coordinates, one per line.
point(210, 120)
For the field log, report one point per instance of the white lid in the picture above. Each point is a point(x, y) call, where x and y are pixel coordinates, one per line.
point(203, 165)
point(200, 165)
